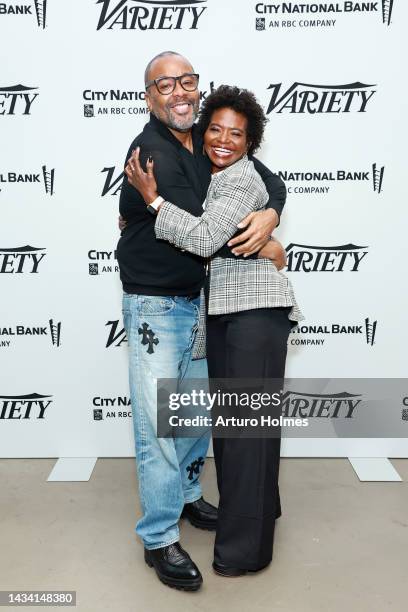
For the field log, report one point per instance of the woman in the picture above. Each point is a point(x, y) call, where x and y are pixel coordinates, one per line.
point(250, 310)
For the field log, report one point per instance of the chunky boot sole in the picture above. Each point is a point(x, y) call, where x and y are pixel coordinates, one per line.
point(174, 583)
point(207, 525)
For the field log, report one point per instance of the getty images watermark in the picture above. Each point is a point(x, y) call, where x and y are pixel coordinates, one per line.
point(293, 408)
point(225, 401)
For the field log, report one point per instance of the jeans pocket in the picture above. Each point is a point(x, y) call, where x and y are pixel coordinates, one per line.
point(156, 305)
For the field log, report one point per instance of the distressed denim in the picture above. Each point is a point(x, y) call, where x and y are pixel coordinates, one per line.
point(161, 331)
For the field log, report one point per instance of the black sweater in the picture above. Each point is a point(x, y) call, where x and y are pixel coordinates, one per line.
point(154, 267)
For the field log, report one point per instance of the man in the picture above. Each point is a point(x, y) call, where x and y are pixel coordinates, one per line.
point(161, 309)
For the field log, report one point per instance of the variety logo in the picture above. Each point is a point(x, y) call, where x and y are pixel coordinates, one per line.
point(302, 180)
point(109, 404)
point(52, 331)
point(117, 334)
point(114, 102)
point(112, 184)
point(31, 406)
point(308, 258)
point(150, 14)
point(316, 335)
point(303, 98)
point(40, 8)
point(17, 99)
point(45, 177)
point(316, 405)
point(101, 262)
point(21, 260)
point(293, 15)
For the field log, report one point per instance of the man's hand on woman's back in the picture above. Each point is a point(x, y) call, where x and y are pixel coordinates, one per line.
point(274, 251)
point(260, 226)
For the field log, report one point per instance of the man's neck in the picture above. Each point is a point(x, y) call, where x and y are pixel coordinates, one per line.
point(185, 138)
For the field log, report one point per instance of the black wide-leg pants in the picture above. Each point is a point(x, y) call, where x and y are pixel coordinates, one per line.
point(248, 344)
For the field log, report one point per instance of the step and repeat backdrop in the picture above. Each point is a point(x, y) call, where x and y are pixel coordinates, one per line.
point(332, 80)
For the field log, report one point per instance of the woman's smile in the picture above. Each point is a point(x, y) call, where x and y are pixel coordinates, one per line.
point(225, 139)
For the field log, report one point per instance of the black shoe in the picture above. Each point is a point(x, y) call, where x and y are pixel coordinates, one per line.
point(232, 572)
point(174, 567)
point(201, 514)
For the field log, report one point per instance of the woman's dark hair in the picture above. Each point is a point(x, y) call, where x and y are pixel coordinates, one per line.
point(241, 101)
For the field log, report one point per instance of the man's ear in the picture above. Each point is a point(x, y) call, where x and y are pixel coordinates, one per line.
point(148, 101)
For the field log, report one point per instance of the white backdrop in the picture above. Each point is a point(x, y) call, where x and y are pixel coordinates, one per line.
point(55, 164)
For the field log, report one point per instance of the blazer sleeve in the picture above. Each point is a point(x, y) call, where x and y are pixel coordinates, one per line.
point(230, 202)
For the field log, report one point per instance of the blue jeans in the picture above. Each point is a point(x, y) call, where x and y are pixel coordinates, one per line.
point(161, 331)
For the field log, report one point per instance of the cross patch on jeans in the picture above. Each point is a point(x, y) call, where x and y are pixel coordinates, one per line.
point(194, 467)
point(148, 337)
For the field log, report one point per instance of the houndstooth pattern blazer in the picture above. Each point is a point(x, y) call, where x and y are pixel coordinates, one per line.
point(236, 284)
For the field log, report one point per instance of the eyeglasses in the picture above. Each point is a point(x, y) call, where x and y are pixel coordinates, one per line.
point(166, 85)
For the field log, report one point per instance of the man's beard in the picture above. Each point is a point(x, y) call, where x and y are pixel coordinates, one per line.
point(182, 124)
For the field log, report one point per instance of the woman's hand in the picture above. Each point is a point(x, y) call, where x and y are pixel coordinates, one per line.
point(274, 251)
point(121, 223)
point(143, 181)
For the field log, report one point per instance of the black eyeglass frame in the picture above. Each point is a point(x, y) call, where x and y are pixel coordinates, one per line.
point(174, 79)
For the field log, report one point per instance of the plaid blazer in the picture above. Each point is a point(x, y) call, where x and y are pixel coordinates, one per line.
point(236, 284)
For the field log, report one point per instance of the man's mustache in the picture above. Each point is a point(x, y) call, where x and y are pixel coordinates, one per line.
point(180, 101)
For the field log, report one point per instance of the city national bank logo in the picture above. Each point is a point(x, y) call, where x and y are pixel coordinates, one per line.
point(26, 407)
point(21, 260)
point(301, 98)
point(308, 258)
point(52, 331)
point(114, 102)
point(102, 262)
point(108, 407)
point(316, 335)
point(37, 6)
point(150, 14)
point(44, 178)
point(316, 405)
point(17, 100)
point(293, 15)
point(321, 181)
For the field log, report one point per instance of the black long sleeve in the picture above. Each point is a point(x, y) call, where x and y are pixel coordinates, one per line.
point(274, 185)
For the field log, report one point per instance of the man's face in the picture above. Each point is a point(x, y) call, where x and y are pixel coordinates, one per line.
point(179, 109)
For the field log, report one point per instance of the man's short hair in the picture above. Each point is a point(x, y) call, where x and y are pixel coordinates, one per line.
point(156, 57)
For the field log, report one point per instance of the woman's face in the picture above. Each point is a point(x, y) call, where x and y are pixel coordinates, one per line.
point(225, 139)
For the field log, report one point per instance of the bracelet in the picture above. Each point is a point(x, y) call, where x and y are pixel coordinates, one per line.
point(156, 202)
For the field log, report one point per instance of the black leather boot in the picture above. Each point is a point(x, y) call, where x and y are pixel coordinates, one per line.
point(201, 514)
point(174, 567)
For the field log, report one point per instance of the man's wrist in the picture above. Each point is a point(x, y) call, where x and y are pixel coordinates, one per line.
point(275, 215)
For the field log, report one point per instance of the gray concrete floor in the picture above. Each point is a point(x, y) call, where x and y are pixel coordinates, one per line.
point(340, 544)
